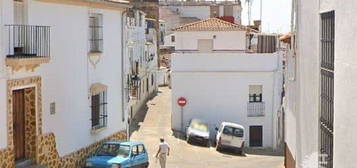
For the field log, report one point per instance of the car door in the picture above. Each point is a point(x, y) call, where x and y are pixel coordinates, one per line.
point(142, 158)
point(134, 156)
point(227, 135)
point(238, 137)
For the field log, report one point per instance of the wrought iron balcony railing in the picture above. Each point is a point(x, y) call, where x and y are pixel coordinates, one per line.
point(28, 41)
point(256, 109)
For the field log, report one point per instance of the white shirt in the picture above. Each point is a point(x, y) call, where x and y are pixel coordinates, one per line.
point(164, 148)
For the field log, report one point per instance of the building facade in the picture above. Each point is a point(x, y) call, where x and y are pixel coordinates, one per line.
point(61, 80)
point(222, 82)
point(320, 65)
point(141, 61)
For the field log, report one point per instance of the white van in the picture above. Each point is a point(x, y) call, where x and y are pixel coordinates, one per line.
point(230, 135)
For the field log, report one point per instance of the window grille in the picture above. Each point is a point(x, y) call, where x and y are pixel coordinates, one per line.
point(96, 33)
point(327, 90)
point(99, 110)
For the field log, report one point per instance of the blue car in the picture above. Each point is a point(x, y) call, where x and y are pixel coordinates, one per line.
point(119, 155)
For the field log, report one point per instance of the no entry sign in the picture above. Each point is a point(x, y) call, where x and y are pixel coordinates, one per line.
point(182, 101)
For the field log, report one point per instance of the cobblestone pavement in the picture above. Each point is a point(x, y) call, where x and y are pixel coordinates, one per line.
point(155, 121)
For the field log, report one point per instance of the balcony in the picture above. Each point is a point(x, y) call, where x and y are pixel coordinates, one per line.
point(28, 46)
point(256, 109)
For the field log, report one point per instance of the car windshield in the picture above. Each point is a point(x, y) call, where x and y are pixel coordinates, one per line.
point(237, 132)
point(113, 150)
point(199, 126)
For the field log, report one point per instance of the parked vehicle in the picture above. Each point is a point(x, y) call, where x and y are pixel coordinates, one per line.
point(230, 135)
point(198, 131)
point(119, 155)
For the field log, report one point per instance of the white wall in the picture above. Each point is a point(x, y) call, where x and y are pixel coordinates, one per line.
point(66, 80)
point(345, 84)
point(225, 40)
point(3, 93)
point(224, 62)
point(302, 94)
point(218, 91)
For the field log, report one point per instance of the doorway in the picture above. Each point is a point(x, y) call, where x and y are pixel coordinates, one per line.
point(19, 123)
point(256, 136)
point(24, 123)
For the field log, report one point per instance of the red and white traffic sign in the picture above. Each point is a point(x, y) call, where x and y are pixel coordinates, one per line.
point(182, 101)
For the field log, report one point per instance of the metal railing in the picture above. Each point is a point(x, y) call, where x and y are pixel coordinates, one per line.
point(28, 41)
point(256, 109)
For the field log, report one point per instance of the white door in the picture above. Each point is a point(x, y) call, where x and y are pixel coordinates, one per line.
point(205, 45)
point(19, 12)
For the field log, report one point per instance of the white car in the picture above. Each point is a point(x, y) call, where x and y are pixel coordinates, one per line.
point(198, 131)
point(230, 135)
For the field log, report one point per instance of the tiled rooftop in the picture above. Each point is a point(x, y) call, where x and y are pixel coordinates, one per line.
point(213, 24)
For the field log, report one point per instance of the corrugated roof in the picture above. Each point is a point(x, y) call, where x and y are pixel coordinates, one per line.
point(213, 24)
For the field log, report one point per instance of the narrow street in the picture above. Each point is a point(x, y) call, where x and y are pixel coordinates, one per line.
point(156, 121)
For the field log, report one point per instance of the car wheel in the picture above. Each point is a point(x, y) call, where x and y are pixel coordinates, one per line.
point(218, 147)
point(188, 140)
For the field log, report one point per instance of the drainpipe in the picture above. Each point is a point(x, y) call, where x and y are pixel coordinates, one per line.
point(123, 99)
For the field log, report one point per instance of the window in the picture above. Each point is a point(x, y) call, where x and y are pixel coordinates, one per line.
point(172, 38)
point(326, 130)
point(134, 151)
point(237, 132)
point(205, 45)
point(96, 33)
point(141, 149)
point(255, 93)
point(152, 79)
point(99, 110)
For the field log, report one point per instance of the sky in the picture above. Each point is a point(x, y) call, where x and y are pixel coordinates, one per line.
point(275, 15)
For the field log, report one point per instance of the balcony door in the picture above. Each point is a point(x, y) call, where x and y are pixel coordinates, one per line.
point(19, 12)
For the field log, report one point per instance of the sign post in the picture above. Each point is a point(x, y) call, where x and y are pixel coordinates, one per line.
point(182, 103)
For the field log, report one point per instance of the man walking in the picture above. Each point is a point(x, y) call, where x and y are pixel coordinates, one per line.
point(164, 150)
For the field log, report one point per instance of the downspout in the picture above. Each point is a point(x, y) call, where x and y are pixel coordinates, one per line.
point(123, 40)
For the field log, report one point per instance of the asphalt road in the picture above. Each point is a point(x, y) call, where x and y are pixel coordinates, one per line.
point(154, 122)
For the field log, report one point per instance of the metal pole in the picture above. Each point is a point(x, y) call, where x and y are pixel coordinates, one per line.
point(182, 120)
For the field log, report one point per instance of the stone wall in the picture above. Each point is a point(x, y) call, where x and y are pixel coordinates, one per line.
point(30, 123)
point(7, 158)
point(49, 156)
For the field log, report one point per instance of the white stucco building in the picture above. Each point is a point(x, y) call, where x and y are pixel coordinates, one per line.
point(141, 61)
point(320, 85)
point(60, 79)
point(222, 82)
point(177, 13)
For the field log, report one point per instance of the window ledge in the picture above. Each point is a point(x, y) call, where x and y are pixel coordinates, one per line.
point(95, 53)
point(96, 131)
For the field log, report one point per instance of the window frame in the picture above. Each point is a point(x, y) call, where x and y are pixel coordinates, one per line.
point(99, 119)
point(95, 27)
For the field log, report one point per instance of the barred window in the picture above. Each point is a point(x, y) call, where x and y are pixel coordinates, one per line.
point(327, 89)
point(99, 110)
point(96, 33)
